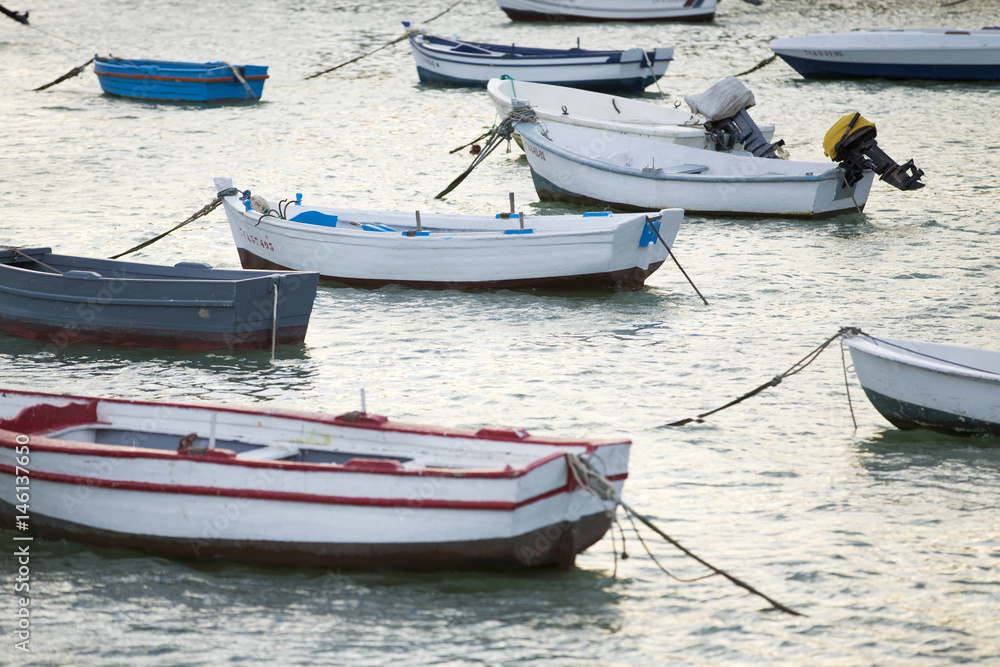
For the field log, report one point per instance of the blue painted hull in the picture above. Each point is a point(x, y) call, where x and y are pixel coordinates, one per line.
point(166, 81)
point(821, 69)
point(909, 416)
point(63, 300)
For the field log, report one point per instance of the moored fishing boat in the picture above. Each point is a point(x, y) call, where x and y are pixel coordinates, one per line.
point(452, 62)
point(172, 81)
point(270, 486)
point(67, 299)
point(942, 54)
point(609, 112)
point(591, 166)
point(937, 386)
point(609, 10)
point(500, 251)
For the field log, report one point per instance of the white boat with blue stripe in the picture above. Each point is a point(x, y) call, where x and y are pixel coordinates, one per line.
point(452, 62)
point(598, 250)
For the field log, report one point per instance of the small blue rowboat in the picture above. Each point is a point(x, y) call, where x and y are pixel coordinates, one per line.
point(450, 62)
point(190, 306)
point(167, 81)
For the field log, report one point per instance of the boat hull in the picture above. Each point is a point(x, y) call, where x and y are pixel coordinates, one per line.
point(560, 173)
point(930, 386)
point(930, 54)
point(439, 62)
point(283, 488)
point(609, 10)
point(167, 81)
point(131, 304)
point(604, 251)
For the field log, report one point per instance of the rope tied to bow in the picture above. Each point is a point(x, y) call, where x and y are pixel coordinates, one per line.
point(503, 132)
point(205, 210)
point(600, 486)
point(797, 367)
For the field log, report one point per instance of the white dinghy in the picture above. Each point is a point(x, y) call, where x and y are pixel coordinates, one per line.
point(501, 251)
point(590, 166)
point(944, 388)
point(608, 112)
point(277, 487)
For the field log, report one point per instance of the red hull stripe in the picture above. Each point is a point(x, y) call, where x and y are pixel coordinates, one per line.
point(221, 456)
point(370, 422)
point(284, 496)
point(181, 79)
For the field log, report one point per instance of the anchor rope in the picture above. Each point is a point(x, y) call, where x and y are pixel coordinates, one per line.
point(68, 75)
point(763, 63)
point(797, 367)
point(847, 385)
point(601, 487)
point(205, 210)
point(847, 185)
point(504, 131)
point(33, 259)
point(387, 44)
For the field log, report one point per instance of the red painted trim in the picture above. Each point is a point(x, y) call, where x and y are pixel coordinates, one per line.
point(283, 496)
point(226, 457)
point(339, 420)
point(181, 79)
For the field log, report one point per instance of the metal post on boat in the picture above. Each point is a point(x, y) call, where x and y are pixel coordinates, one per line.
point(364, 409)
point(512, 203)
point(418, 221)
point(211, 431)
point(520, 217)
point(274, 321)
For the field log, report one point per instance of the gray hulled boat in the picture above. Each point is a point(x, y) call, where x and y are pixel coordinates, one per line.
point(189, 306)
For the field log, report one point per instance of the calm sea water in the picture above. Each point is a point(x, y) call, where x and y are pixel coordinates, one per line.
point(888, 541)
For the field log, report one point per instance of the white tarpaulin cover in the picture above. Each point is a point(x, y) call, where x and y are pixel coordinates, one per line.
point(723, 100)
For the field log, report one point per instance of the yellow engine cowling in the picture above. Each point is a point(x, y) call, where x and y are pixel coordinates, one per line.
point(839, 132)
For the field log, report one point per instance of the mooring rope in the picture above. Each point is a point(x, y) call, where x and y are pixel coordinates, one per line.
point(33, 259)
point(386, 45)
point(68, 75)
point(762, 63)
point(504, 131)
point(847, 384)
point(20, 17)
point(205, 210)
point(601, 487)
point(849, 189)
point(674, 257)
point(797, 367)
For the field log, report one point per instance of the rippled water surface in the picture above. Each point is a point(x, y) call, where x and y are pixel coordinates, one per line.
point(888, 541)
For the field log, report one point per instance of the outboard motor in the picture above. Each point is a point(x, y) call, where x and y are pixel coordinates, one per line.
point(851, 142)
point(725, 106)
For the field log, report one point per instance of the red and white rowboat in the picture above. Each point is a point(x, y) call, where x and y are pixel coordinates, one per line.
point(353, 491)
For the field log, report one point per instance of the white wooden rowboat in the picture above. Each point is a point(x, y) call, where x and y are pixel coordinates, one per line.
point(373, 249)
point(945, 388)
point(261, 485)
point(587, 165)
point(606, 112)
point(452, 62)
point(609, 10)
point(943, 54)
